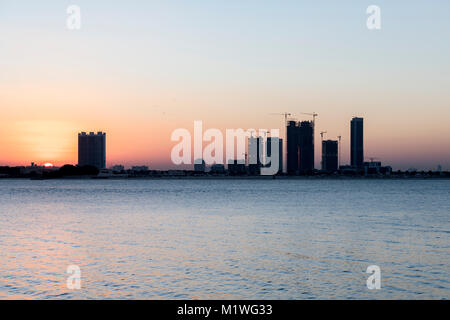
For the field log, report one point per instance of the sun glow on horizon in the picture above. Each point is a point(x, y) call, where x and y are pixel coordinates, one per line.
point(39, 141)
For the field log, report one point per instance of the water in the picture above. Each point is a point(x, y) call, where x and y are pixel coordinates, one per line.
point(225, 239)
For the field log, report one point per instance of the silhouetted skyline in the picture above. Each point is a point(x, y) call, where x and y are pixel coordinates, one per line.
point(299, 152)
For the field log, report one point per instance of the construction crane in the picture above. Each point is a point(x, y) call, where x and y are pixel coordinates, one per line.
point(286, 115)
point(314, 115)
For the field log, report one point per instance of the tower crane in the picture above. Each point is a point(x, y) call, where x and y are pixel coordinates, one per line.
point(285, 114)
point(314, 115)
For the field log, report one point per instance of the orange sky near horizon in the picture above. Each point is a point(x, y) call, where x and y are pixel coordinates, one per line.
point(139, 130)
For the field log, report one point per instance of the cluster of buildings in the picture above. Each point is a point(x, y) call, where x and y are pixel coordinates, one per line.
point(299, 153)
point(299, 160)
point(300, 148)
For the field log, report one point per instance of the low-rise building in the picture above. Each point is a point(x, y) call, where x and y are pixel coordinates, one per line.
point(199, 166)
point(375, 168)
point(217, 169)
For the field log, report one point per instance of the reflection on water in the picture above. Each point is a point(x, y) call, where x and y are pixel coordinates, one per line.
point(220, 239)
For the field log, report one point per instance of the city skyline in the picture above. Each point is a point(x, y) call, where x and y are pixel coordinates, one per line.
point(299, 151)
point(356, 133)
point(135, 73)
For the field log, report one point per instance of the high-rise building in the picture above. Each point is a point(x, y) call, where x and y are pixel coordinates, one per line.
point(258, 152)
point(254, 148)
point(292, 147)
point(330, 155)
point(279, 142)
point(300, 147)
point(92, 149)
point(306, 146)
point(254, 161)
point(357, 143)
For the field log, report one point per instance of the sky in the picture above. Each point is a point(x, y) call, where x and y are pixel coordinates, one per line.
point(138, 70)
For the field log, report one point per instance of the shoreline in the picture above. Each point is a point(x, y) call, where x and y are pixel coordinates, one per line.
point(236, 178)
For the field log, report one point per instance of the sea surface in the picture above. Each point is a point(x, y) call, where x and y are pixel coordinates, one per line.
point(224, 239)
